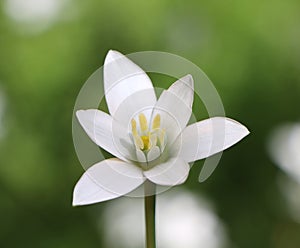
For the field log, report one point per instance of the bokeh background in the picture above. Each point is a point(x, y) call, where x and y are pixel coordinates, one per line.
point(249, 49)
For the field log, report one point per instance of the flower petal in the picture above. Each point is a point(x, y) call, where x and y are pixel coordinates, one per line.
point(107, 180)
point(208, 137)
point(140, 156)
point(139, 102)
point(175, 106)
point(122, 78)
point(99, 126)
point(154, 153)
point(184, 89)
point(173, 172)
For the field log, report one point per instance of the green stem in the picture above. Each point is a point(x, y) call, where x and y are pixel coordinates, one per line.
point(150, 214)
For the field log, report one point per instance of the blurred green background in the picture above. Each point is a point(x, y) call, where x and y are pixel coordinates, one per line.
point(48, 48)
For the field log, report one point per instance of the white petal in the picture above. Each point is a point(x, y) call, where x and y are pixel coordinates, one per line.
point(122, 78)
point(138, 102)
point(184, 89)
point(208, 137)
point(175, 106)
point(99, 126)
point(140, 156)
point(154, 153)
point(173, 172)
point(107, 180)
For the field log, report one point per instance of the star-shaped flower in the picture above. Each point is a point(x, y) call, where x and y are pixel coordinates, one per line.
point(148, 136)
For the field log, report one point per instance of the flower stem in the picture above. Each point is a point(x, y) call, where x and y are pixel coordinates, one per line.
point(150, 214)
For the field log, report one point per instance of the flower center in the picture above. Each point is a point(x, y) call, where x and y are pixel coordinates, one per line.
point(146, 142)
point(150, 139)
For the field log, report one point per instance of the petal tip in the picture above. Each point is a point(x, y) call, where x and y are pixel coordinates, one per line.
point(82, 114)
point(112, 51)
point(75, 201)
point(112, 55)
point(77, 196)
point(247, 132)
point(188, 79)
point(79, 199)
point(79, 113)
point(244, 130)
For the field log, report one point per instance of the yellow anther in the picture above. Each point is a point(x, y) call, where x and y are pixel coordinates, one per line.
point(143, 122)
point(156, 122)
point(146, 141)
point(133, 126)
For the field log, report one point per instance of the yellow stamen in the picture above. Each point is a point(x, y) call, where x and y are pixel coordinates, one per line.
point(143, 122)
point(156, 122)
point(137, 139)
point(146, 141)
point(133, 126)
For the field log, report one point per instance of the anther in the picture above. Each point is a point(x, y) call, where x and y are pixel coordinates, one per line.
point(143, 122)
point(156, 122)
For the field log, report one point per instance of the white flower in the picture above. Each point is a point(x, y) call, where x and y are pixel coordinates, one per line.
point(148, 137)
